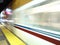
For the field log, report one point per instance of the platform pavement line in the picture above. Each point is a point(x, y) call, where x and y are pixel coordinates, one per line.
point(13, 40)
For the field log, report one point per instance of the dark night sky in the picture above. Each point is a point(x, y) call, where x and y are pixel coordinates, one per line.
point(4, 4)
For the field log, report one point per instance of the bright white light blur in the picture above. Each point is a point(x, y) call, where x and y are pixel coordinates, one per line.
point(33, 2)
point(52, 7)
point(8, 11)
point(5, 20)
point(1, 15)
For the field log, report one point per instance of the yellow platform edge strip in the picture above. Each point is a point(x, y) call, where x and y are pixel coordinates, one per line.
point(13, 40)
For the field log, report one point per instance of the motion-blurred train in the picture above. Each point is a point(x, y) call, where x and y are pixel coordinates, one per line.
point(37, 22)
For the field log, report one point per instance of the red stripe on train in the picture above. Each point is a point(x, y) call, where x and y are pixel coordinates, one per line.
point(57, 42)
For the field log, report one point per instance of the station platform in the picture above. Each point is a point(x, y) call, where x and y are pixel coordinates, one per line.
point(8, 38)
